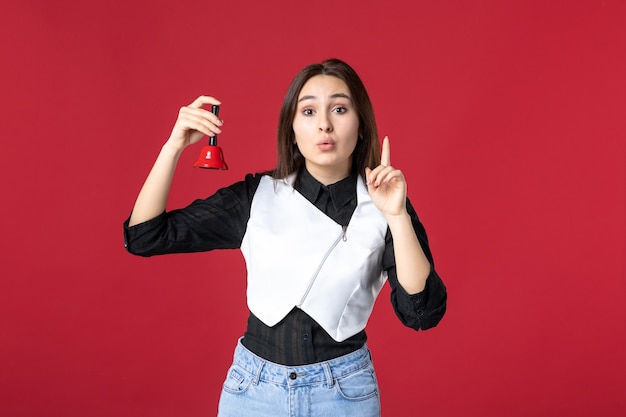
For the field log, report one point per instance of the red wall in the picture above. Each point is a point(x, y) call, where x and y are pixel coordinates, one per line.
point(507, 118)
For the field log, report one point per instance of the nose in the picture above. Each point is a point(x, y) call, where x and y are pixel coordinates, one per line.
point(324, 123)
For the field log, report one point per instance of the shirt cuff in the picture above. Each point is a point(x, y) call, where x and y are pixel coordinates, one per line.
point(138, 235)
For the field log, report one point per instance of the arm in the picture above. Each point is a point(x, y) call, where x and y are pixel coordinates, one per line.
point(426, 308)
point(417, 293)
point(216, 222)
point(387, 187)
point(412, 266)
point(193, 122)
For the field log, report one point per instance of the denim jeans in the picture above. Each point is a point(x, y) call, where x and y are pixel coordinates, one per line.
point(345, 386)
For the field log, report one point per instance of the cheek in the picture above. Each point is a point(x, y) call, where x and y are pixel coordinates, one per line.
point(355, 130)
point(301, 128)
point(297, 134)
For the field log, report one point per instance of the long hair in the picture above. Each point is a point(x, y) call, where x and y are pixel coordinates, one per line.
point(367, 150)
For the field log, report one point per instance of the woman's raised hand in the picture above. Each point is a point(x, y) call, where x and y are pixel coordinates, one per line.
point(386, 184)
point(194, 122)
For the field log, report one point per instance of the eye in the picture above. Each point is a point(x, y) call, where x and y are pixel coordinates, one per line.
point(307, 112)
point(340, 109)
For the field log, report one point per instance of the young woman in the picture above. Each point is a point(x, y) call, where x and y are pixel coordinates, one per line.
point(320, 234)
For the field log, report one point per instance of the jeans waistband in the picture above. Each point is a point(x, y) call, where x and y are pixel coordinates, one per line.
point(323, 372)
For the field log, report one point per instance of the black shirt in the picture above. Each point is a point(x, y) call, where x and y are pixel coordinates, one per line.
point(219, 222)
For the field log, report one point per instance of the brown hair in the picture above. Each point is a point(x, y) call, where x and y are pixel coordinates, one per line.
point(367, 150)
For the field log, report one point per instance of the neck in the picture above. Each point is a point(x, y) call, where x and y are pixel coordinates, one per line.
point(327, 176)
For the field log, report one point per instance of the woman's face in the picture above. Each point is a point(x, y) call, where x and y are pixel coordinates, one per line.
point(326, 126)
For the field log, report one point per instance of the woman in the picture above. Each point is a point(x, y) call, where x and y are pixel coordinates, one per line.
point(316, 258)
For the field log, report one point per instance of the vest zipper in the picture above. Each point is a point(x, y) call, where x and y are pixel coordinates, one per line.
point(341, 237)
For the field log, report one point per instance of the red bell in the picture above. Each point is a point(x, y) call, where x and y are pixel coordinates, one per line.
point(211, 156)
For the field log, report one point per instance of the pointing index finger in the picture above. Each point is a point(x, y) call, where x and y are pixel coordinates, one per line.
point(385, 157)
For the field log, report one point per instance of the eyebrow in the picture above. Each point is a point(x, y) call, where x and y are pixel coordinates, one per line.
point(336, 95)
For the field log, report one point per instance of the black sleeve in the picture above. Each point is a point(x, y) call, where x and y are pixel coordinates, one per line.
point(217, 222)
point(426, 308)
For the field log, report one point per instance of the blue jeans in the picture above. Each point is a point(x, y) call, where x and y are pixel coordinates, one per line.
point(345, 386)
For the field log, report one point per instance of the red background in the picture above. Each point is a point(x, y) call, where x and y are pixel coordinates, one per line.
point(507, 118)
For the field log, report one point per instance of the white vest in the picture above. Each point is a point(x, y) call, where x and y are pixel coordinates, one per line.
point(297, 256)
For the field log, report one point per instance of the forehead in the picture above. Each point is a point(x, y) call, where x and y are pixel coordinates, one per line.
point(323, 85)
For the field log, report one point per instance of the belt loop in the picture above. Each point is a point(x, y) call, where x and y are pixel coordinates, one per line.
point(257, 374)
point(329, 375)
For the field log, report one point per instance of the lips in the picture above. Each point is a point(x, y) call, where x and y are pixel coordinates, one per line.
point(326, 144)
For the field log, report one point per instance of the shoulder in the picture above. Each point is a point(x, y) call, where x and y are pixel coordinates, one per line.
point(245, 188)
